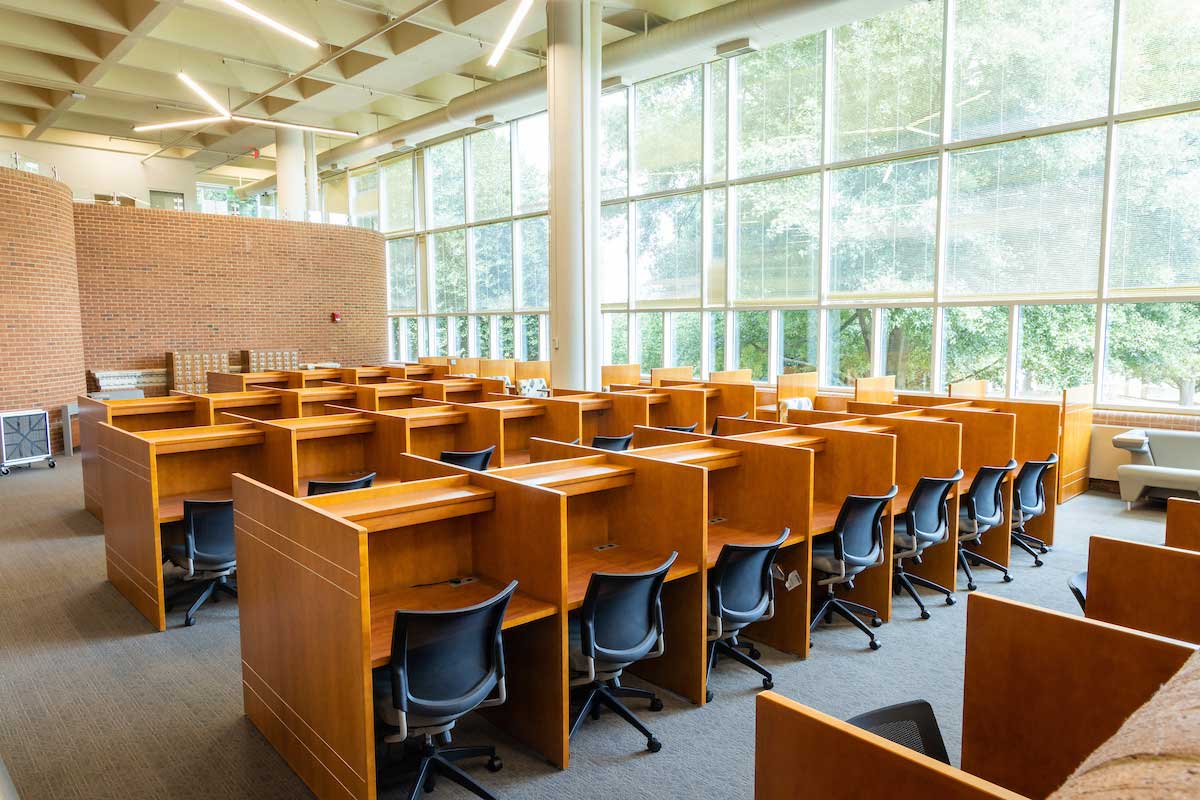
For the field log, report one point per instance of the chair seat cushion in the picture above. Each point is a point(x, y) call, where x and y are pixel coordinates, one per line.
point(204, 562)
point(902, 541)
point(388, 714)
point(823, 558)
point(575, 657)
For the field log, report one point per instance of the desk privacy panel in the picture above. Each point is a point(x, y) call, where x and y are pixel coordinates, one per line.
point(187, 371)
point(270, 360)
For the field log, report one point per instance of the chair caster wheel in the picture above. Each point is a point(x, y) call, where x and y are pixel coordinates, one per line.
point(875, 645)
point(1007, 578)
point(1037, 562)
point(656, 705)
point(51, 464)
point(971, 587)
point(768, 683)
point(494, 764)
point(924, 615)
point(876, 622)
point(5, 470)
point(653, 745)
point(1043, 550)
point(189, 622)
point(708, 696)
point(950, 600)
point(755, 653)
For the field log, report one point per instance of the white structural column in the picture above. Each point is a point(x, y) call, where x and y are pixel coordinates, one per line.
point(312, 189)
point(573, 100)
point(289, 167)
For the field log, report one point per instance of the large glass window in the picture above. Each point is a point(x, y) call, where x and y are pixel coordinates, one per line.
point(908, 347)
point(798, 341)
point(667, 139)
point(614, 254)
point(616, 337)
point(976, 345)
point(447, 184)
point(493, 282)
point(1153, 354)
point(751, 336)
point(650, 340)
point(614, 144)
point(850, 345)
point(779, 106)
point(1021, 64)
point(533, 164)
point(335, 199)
point(668, 249)
point(1024, 216)
point(716, 123)
point(533, 282)
point(686, 340)
point(399, 209)
point(1057, 344)
point(884, 217)
point(1156, 213)
point(1160, 63)
point(491, 174)
point(449, 259)
point(778, 239)
point(402, 274)
point(889, 82)
point(716, 340)
point(364, 196)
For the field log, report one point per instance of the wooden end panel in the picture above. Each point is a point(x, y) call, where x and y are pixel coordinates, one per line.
point(973, 390)
point(1120, 576)
point(132, 545)
point(734, 400)
point(881, 389)
point(1075, 447)
point(732, 376)
point(660, 374)
point(525, 538)
point(612, 374)
point(653, 437)
point(627, 412)
point(1183, 523)
point(305, 630)
point(800, 752)
point(1052, 685)
point(91, 414)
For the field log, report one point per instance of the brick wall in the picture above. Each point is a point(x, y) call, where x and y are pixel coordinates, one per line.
point(152, 281)
point(1139, 419)
point(41, 346)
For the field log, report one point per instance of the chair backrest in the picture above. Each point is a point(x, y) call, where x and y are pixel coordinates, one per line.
point(911, 724)
point(1029, 493)
point(926, 512)
point(470, 459)
point(614, 443)
point(717, 422)
point(328, 487)
point(682, 428)
point(621, 618)
point(858, 530)
point(532, 387)
point(209, 527)
point(445, 663)
point(984, 503)
point(740, 587)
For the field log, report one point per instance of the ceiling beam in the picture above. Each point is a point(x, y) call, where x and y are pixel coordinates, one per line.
point(141, 17)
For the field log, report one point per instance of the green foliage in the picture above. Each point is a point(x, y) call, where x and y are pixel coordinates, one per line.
point(1057, 347)
point(1157, 343)
point(908, 347)
point(850, 337)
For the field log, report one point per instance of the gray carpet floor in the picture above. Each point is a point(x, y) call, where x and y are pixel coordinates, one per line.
point(94, 705)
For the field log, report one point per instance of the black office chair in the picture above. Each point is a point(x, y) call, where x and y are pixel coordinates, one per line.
point(1029, 502)
point(924, 523)
point(619, 624)
point(444, 665)
point(741, 591)
point(469, 459)
point(911, 724)
point(329, 487)
point(615, 443)
point(207, 554)
point(717, 422)
point(981, 509)
point(682, 428)
point(1078, 586)
point(854, 545)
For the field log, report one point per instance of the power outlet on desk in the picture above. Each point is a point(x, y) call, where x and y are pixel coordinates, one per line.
point(716, 520)
point(463, 581)
point(608, 546)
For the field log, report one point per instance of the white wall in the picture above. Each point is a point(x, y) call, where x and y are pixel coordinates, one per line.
point(89, 172)
point(1105, 457)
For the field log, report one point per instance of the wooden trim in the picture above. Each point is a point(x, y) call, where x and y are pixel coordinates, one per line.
point(1075, 447)
point(1146, 587)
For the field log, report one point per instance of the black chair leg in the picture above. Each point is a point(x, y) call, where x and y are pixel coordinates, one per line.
point(904, 583)
point(582, 713)
point(973, 556)
point(225, 586)
point(820, 613)
point(962, 562)
point(189, 619)
point(421, 777)
point(459, 753)
point(1020, 542)
point(602, 695)
point(464, 780)
point(843, 609)
point(727, 650)
point(928, 584)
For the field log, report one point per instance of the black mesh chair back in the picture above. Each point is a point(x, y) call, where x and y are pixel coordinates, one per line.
point(208, 526)
point(445, 663)
point(615, 443)
point(740, 588)
point(469, 459)
point(926, 517)
point(682, 428)
point(621, 618)
point(328, 487)
point(1078, 586)
point(1029, 492)
point(984, 502)
point(911, 724)
point(858, 531)
point(717, 422)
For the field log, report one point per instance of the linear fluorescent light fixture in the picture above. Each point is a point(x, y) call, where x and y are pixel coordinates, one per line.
point(509, 32)
point(738, 47)
point(181, 123)
point(271, 23)
point(204, 95)
point(274, 123)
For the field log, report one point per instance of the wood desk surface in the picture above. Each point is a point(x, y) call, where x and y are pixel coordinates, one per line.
point(205, 437)
point(443, 597)
point(573, 476)
point(723, 533)
point(824, 516)
point(712, 457)
point(620, 559)
point(170, 508)
point(420, 505)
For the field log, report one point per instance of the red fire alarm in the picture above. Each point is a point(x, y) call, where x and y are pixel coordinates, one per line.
point(335, 317)
point(254, 152)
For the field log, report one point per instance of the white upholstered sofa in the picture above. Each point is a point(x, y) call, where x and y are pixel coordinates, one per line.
point(1163, 464)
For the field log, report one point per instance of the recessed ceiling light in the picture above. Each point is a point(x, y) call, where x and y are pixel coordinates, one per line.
point(271, 23)
point(509, 32)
